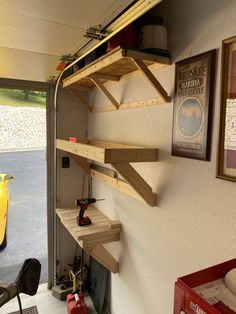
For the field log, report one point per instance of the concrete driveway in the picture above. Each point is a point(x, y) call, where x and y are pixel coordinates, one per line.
point(27, 216)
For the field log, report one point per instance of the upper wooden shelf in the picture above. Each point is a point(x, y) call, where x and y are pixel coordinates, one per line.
point(112, 67)
point(111, 153)
point(92, 237)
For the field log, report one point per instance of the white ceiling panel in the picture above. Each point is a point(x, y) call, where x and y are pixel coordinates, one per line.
point(50, 28)
point(30, 34)
point(82, 13)
point(24, 65)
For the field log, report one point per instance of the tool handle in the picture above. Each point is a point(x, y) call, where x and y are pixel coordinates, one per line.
point(82, 210)
point(73, 279)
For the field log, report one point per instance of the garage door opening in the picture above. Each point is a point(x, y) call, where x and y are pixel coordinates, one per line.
point(23, 155)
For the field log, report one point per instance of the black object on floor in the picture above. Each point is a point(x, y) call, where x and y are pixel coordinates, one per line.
point(29, 310)
point(97, 284)
point(26, 282)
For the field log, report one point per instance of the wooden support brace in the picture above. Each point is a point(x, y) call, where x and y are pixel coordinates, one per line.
point(137, 182)
point(152, 79)
point(103, 89)
point(117, 184)
point(105, 258)
point(81, 99)
point(82, 162)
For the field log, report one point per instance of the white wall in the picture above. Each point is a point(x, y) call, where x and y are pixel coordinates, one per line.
point(71, 121)
point(193, 225)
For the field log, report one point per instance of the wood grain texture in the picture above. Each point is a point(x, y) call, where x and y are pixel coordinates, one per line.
point(152, 79)
point(137, 182)
point(113, 153)
point(91, 237)
point(119, 62)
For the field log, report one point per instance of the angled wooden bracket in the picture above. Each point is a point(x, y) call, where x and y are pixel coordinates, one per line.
point(82, 162)
point(137, 182)
point(105, 258)
point(103, 89)
point(152, 79)
point(81, 99)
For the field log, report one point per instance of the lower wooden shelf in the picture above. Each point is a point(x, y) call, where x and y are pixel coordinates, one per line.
point(92, 237)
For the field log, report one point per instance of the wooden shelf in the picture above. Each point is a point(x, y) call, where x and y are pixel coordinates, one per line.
point(113, 66)
point(92, 237)
point(119, 156)
point(111, 153)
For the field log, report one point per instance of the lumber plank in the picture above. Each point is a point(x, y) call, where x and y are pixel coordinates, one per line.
point(82, 162)
point(126, 155)
point(95, 66)
point(117, 184)
point(83, 150)
point(132, 105)
point(141, 55)
point(81, 99)
point(106, 77)
point(102, 230)
point(105, 258)
point(114, 153)
point(152, 79)
point(105, 91)
point(137, 182)
point(91, 237)
point(104, 144)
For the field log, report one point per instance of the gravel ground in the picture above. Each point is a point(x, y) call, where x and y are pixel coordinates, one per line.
point(22, 128)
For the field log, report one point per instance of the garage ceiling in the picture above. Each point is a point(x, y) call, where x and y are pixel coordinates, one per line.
point(35, 34)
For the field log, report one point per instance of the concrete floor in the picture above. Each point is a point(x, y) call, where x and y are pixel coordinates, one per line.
point(45, 302)
point(27, 212)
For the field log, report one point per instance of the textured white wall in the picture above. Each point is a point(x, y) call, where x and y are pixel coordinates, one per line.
point(71, 121)
point(193, 226)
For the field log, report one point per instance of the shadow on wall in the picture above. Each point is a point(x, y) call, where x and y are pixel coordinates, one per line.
point(200, 12)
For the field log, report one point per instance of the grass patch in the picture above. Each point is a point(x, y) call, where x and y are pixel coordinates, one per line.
point(20, 98)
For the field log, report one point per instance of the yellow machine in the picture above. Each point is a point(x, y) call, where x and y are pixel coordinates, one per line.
point(4, 199)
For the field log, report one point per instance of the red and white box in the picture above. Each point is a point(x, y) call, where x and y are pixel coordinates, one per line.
point(206, 291)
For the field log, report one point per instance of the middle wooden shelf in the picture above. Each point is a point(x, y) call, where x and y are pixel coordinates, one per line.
point(119, 156)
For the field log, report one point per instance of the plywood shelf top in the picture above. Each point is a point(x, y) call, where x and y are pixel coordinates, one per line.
point(92, 237)
point(106, 152)
point(112, 66)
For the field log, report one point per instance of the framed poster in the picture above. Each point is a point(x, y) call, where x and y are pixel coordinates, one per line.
point(192, 113)
point(227, 135)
